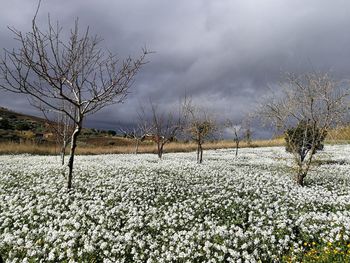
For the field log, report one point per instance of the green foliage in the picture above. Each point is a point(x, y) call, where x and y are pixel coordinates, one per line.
point(40, 128)
point(111, 132)
point(12, 116)
point(304, 137)
point(5, 124)
point(314, 252)
point(23, 126)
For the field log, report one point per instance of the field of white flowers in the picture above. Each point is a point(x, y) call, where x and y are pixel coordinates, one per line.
point(136, 208)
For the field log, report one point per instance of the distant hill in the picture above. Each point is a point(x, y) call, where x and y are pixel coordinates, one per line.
point(6, 113)
point(17, 127)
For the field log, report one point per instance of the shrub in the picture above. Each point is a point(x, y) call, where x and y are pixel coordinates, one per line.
point(303, 137)
point(5, 124)
point(23, 126)
point(111, 132)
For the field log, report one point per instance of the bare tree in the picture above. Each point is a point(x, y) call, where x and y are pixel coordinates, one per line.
point(248, 136)
point(137, 133)
point(246, 129)
point(132, 133)
point(164, 127)
point(52, 70)
point(61, 127)
point(63, 132)
point(200, 126)
point(305, 109)
point(236, 130)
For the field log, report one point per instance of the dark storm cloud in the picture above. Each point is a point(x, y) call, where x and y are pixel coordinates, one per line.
point(222, 53)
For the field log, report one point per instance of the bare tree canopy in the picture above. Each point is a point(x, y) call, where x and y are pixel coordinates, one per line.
point(75, 72)
point(51, 70)
point(314, 96)
point(60, 125)
point(236, 130)
point(200, 125)
point(139, 131)
point(305, 108)
point(164, 127)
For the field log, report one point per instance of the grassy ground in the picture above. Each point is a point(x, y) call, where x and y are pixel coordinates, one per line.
point(121, 145)
point(129, 147)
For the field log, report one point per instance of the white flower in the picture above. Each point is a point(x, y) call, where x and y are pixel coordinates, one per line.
point(127, 206)
point(51, 255)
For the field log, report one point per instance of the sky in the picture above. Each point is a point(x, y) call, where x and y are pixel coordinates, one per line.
point(225, 54)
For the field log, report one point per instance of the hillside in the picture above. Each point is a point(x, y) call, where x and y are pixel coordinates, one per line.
point(16, 126)
point(6, 113)
point(19, 127)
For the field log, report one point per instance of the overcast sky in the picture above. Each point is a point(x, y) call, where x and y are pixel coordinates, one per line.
point(223, 53)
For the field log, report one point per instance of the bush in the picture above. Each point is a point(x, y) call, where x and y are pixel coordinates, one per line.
point(23, 126)
point(39, 129)
point(5, 124)
point(303, 137)
point(111, 132)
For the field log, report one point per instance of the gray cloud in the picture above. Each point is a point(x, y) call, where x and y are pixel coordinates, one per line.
point(222, 53)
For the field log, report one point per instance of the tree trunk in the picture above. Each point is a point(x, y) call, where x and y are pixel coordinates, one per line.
point(304, 167)
point(137, 146)
point(199, 152)
point(300, 178)
point(63, 152)
point(237, 144)
point(160, 150)
point(72, 152)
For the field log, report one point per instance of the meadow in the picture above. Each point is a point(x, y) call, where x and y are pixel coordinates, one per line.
point(118, 145)
point(137, 208)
